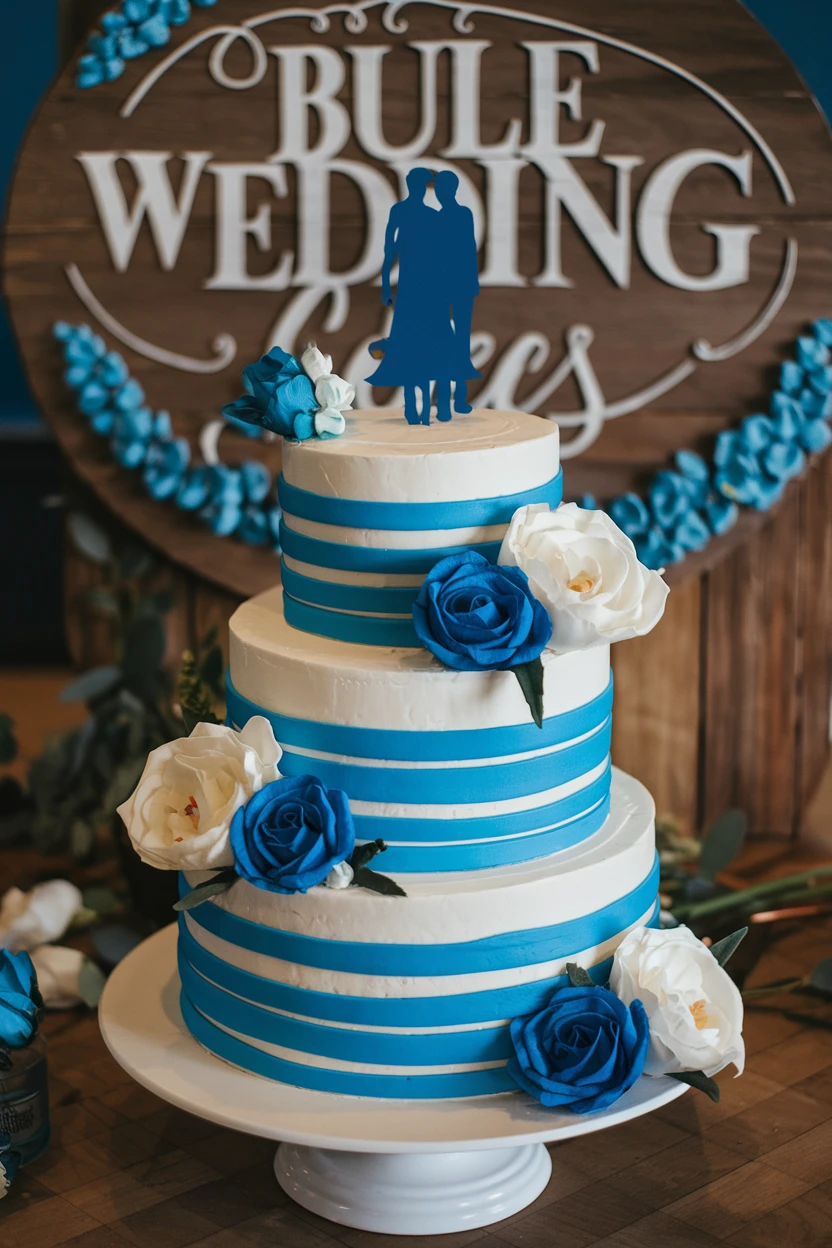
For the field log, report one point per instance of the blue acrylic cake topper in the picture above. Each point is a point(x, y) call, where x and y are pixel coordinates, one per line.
point(430, 337)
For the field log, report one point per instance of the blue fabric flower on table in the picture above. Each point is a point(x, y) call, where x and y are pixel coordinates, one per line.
point(279, 397)
point(291, 833)
point(582, 1051)
point(10, 1160)
point(20, 1000)
point(475, 616)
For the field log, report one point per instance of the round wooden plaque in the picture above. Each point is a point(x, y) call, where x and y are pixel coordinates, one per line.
point(651, 185)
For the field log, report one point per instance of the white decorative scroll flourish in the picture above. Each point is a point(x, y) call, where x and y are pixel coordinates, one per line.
point(224, 345)
point(355, 21)
point(703, 350)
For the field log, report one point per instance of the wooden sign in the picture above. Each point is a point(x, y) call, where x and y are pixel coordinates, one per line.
point(651, 186)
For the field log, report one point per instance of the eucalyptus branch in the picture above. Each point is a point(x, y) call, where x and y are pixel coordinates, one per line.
point(692, 911)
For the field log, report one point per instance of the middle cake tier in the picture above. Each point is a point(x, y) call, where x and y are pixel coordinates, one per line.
point(447, 768)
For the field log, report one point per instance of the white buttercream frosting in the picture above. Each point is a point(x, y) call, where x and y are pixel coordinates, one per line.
point(379, 457)
point(302, 675)
point(446, 907)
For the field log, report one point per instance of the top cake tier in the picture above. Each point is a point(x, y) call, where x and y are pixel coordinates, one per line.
point(367, 514)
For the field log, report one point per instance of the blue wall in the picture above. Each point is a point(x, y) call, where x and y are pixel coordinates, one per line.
point(29, 59)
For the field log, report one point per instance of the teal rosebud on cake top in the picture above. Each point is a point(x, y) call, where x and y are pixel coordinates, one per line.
point(297, 399)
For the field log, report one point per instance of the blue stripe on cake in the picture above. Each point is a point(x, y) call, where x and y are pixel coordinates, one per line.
point(487, 1006)
point(350, 1083)
point(411, 745)
point(423, 785)
point(372, 558)
point(357, 514)
point(505, 951)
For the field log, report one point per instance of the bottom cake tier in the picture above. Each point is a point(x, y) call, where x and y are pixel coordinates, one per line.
point(411, 997)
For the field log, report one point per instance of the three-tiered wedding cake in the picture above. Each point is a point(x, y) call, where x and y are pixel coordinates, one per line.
point(519, 849)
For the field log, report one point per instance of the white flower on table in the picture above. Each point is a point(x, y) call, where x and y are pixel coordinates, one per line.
point(693, 1006)
point(28, 920)
point(586, 573)
point(180, 814)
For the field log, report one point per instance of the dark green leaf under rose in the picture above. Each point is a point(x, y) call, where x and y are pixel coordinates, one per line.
point(530, 679)
point(219, 883)
point(696, 1079)
point(364, 878)
point(578, 977)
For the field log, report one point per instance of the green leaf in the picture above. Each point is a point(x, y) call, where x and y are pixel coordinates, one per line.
point(211, 669)
point(81, 840)
point(8, 741)
point(134, 562)
point(362, 854)
point(722, 842)
point(724, 948)
point(210, 639)
point(93, 684)
point(103, 600)
point(144, 650)
point(578, 977)
point(219, 883)
point(365, 878)
point(696, 1079)
point(100, 899)
point(530, 679)
point(821, 977)
point(90, 540)
point(91, 981)
point(82, 919)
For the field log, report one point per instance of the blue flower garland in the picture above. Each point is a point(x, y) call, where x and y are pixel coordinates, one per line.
point(128, 32)
point(238, 501)
point(751, 466)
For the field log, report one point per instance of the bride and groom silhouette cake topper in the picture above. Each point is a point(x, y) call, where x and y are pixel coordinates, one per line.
point(430, 338)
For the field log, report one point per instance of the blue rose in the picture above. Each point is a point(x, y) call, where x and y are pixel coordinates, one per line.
point(20, 999)
point(477, 617)
point(291, 833)
point(582, 1051)
point(279, 396)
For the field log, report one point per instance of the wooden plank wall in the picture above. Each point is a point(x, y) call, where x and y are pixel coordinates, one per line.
point(727, 703)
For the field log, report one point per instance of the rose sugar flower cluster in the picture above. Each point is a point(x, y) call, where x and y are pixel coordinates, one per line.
point(566, 579)
point(669, 1009)
point(215, 801)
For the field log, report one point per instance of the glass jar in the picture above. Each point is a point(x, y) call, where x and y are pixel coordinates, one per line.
point(24, 1100)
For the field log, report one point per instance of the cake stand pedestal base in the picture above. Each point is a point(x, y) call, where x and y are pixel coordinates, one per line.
point(413, 1193)
point(399, 1167)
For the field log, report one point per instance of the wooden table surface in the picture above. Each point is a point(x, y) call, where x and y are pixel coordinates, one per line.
point(754, 1171)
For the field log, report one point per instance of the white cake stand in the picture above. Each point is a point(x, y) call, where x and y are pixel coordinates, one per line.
point(399, 1167)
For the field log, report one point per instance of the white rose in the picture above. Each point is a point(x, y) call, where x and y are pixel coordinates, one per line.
point(586, 573)
point(39, 916)
point(693, 1007)
point(180, 814)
